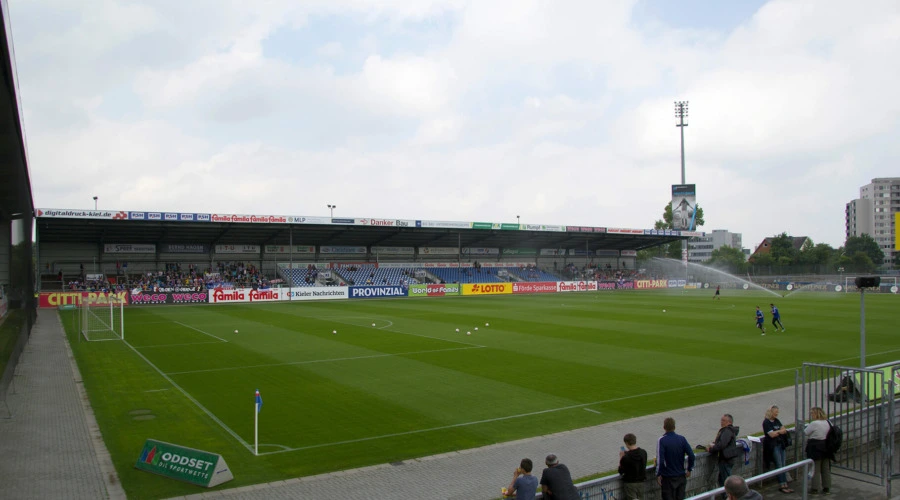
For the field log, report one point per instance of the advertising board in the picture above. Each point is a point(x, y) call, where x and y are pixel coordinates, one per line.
point(487, 288)
point(433, 290)
point(185, 464)
point(376, 292)
point(240, 295)
point(577, 286)
point(534, 287)
point(160, 298)
point(96, 299)
point(318, 293)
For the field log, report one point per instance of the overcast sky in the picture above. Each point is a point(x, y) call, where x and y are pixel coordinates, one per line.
point(560, 112)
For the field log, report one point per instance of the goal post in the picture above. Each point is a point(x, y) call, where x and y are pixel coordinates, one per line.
point(102, 318)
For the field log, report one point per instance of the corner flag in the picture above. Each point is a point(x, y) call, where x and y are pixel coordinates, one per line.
point(258, 405)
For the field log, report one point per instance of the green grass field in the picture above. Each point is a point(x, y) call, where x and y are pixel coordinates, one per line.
point(412, 386)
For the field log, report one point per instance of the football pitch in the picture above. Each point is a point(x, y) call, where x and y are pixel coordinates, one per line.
point(397, 381)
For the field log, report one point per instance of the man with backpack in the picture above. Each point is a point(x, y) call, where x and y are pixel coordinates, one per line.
point(725, 447)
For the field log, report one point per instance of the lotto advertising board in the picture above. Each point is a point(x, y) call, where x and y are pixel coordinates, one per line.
point(433, 290)
point(534, 287)
point(487, 289)
point(241, 295)
point(160, 298)
point(96, 299)
point(577, 286)
point(376, 292)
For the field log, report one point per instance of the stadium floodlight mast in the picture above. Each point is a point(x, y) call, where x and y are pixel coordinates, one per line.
point(518, 221)
point(681, 114)
point(95, 203)
point(332, 207)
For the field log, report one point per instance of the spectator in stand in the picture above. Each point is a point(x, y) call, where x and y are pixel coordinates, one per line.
point(523, 484)
point(556, 481)
point(633, 468)
point(774, 443)
point(670, 472)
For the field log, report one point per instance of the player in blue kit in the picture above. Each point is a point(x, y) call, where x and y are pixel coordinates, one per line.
point(760, 320)
point(776, 318)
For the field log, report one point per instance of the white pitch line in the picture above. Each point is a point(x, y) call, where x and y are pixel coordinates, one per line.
point(156, 390)
point(594, 411)
point(199, 330)
point(175, 345)
point(549, 410)
point(191, 399)
point(329, 360)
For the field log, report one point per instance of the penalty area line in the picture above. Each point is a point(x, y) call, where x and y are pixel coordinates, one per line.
point(199, 330)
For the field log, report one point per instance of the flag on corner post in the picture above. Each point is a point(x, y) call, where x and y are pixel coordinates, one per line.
point(258, 401)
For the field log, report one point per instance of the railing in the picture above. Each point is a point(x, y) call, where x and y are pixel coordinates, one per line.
point(805, 464)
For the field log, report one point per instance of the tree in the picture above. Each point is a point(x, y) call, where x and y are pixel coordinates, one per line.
point(897, 260)
point(673, 250)
point(782, 250)
point(817, 256)
point(866, 244)
point(861, 263)
point(728, 259)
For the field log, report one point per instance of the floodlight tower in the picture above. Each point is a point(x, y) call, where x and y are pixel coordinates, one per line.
point(681, 114)
point(332, 207)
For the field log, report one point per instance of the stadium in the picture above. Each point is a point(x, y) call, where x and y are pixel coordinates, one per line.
point(163, 354)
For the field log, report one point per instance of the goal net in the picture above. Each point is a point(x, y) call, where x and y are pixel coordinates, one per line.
point(102, 318)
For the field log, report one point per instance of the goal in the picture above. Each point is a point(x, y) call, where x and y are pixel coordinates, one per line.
point(102, 318)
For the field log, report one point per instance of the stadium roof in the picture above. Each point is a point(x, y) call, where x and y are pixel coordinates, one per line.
point(112, 227)
point(15, 185)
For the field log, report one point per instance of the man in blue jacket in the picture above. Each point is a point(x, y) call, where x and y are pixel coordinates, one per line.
point(670, 451)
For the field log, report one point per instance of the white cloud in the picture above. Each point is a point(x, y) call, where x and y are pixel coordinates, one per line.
point(560, 112)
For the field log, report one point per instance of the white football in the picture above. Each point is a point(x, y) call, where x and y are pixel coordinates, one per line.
point(373, 324)
point(664, 310)
point(487, 324)
point(468, 333)
point(235, 331)
point(457, 330)
point(334, 331)
point(476, 328)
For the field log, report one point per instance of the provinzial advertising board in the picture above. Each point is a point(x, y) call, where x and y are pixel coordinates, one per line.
point(318, 293)
point(534, 287)
point(487, 289)
point(96, 299)
point(433, 290)
point(184, 464)
point(376, 292)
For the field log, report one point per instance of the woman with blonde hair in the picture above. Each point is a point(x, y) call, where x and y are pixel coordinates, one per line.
point(775, 441)
point(816, 431)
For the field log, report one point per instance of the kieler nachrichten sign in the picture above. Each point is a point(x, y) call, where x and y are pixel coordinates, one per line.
point(186, 464)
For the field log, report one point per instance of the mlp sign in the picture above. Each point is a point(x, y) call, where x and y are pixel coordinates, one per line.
point(185, 464)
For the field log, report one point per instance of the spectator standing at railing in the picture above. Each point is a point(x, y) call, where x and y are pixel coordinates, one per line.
point(556, 481)
point(670, 472)
point(725, 439)
point(816, 432)
point(633, 468)
point(736, 489)
point(523, 485)
point(775, 441)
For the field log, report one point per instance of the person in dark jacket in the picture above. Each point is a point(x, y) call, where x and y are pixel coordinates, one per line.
point(736, 489)
point(670, 452)
point(633, 468)
point(816, 432)
point(556, 481)
point(725, 439)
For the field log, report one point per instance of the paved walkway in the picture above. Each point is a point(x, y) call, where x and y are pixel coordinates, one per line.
point(51, 448)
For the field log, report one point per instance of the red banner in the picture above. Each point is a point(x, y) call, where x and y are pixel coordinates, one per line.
point(534, 287)
point(644, 284)
point(56, 299)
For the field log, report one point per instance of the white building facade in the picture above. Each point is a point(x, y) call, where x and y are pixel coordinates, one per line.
point(873, 214)
point(700, 248)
